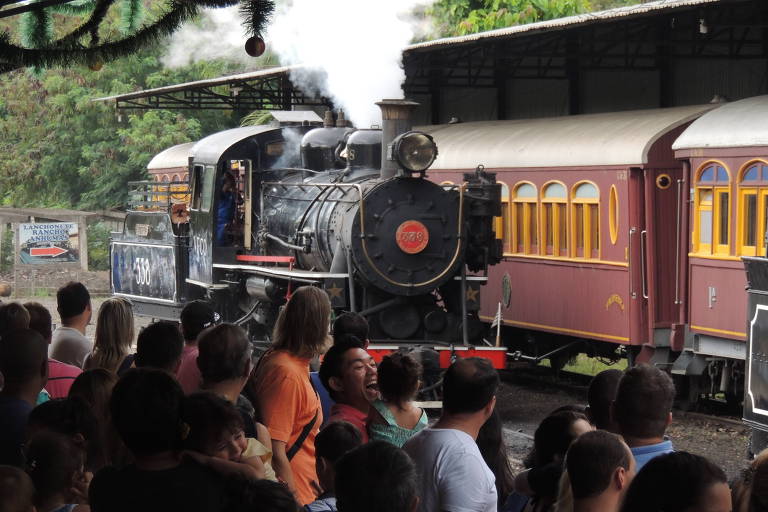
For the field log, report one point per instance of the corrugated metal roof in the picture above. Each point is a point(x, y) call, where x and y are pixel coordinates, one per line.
point(175, 156)
point(211, 82)
point(615, 138)
point(738, 124)
point(561, 23)
point(295, 116)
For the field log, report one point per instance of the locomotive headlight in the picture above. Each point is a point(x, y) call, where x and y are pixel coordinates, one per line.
point(414, 151)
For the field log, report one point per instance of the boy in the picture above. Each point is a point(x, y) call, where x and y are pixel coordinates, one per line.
point(331, 443)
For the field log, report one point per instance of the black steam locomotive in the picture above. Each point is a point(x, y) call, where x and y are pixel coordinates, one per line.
point(347, 210)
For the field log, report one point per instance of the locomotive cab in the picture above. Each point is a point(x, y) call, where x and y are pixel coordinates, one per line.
point(227, 170)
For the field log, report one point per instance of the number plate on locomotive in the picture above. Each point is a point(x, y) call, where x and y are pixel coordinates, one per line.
point(412, 237)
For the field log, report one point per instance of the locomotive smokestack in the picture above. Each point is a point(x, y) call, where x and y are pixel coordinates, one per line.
point(395, 120)
point(328, 119)
point(341, 122)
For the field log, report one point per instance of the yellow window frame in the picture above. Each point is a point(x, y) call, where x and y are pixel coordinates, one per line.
point(717, 217)
point(527, 206)
point(702, 205)
point(587, 223)
point(559, 217)
point(718, 189)
point(742, 247)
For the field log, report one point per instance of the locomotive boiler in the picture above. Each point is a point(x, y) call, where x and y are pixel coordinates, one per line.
point(274, 207)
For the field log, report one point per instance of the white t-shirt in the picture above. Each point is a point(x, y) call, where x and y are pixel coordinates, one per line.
point(69, 346)
point(453, 476)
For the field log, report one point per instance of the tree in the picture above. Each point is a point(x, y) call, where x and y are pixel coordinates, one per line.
point(59, 148)
point(460, 17)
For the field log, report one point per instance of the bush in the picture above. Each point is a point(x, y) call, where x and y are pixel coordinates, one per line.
point(98, 246)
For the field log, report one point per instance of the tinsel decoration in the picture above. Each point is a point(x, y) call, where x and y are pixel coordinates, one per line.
point(83, 46)
point(255, 15)
point(36, 28)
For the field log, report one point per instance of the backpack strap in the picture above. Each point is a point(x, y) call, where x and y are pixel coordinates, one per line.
point(294, 449)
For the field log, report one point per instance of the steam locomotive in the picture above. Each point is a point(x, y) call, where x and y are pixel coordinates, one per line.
point(343, 209)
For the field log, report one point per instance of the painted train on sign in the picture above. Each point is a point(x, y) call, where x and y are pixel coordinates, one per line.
point(270, 208)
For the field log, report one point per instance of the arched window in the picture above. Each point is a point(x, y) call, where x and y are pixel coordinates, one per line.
point(502, 224)
point(525, 239)
point(585, 221)
point(753, 207)
point(165, 178)
point(554, 231)
point(175, 178)
point(186, 177)
point(710, 233)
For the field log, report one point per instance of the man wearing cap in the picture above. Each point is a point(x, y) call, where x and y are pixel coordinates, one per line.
point(195, 318)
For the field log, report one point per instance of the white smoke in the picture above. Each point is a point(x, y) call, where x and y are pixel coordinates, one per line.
point(291, 156)
point(357, 44)
point(216, 34)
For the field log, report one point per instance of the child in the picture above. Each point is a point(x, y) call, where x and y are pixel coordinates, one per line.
point(216, 431)
point(146, 408)
point(331, 443)
point(395, 418)
point(56, 466)
point(16, 490)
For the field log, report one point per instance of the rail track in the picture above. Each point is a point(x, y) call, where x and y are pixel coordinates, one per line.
point(576, 384)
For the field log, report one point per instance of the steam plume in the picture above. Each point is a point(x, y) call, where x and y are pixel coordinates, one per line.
point(217, 34)
point(356, 43)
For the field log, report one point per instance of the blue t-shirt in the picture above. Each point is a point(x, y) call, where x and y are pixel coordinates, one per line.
point(325, 398)
point(643, 454)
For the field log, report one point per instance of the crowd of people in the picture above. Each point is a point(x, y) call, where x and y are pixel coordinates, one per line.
point(184, 417)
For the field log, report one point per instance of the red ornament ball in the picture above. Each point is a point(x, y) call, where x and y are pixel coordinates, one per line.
point(255, 46)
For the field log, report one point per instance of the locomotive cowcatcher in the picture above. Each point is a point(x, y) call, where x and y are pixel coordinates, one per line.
point(343, 209)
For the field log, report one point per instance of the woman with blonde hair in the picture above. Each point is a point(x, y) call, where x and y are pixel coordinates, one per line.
point(114, 337)
point(285, 398)
point(750, 492)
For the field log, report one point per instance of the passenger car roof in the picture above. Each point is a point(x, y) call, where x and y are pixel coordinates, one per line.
point(614, 138)
point(738, 124)
point(174, 156)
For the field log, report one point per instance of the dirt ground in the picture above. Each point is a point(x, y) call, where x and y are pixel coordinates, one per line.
point(724, 441)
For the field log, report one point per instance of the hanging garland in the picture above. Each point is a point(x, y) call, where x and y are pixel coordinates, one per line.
point(83, 44)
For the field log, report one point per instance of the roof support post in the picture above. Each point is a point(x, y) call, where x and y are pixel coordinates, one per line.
point(435, 78)
point(663, 64)
point(500, 80)
point(572, 73)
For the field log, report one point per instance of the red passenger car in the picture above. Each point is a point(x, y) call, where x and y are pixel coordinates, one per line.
point(725, 153)
point(593, 227)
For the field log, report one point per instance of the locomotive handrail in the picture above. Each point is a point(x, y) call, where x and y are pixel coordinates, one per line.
point(643, 239)
point(677, 243)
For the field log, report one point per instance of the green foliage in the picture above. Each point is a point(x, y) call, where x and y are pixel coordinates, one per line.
point(7, 253)
point(59, 148)
point(256, 118)
point(460, 17)
point(98, 247)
